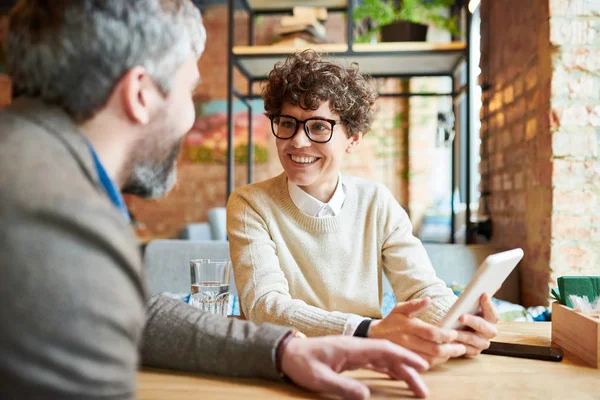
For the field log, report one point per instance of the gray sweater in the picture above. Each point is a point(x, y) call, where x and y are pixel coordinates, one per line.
point(75, 321)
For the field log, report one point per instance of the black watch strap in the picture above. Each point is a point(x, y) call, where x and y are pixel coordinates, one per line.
point(363, 328)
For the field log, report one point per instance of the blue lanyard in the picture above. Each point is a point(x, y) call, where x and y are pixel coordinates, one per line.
point(109, 186)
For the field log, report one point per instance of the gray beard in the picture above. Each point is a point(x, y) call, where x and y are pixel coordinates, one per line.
point(151, 180)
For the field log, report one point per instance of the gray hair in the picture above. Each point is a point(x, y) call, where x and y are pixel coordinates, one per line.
point(73, 52)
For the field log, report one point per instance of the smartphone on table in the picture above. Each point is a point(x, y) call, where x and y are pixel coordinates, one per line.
point(545, 353)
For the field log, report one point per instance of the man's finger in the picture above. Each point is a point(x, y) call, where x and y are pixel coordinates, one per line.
point(411, 307)
point(333, 383)
point(412, 379)
point(383, 353)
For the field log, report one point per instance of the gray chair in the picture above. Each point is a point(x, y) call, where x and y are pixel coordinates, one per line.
point(196, 231)
point(457, 263)
point(167, 265)
point(214, 229)
point(218, 223)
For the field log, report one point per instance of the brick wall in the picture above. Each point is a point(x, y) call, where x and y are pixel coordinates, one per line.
point(575, 126)
point(539, 127)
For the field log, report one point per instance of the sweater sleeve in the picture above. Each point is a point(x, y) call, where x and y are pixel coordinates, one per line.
point(262, 286)
point(406, 264)
point(178, 336)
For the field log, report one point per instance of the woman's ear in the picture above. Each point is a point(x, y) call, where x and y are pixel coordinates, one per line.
point(354, 142)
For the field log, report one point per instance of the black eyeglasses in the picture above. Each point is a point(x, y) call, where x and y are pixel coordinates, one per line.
point(319, 130)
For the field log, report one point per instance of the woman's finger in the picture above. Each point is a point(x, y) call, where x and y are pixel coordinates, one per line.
point(479, 325)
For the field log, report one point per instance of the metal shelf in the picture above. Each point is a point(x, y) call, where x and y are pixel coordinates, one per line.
point(402, 59)
point(270, 5)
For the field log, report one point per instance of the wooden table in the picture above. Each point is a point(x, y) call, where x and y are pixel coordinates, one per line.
point(483, 377)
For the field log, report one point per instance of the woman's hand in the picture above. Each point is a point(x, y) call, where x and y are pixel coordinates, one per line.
point(482, 327)
point(434, 344)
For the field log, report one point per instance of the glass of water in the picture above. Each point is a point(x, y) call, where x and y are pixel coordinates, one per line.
point(210, 285)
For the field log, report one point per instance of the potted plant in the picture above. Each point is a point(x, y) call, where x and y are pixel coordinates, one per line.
point(403, 20)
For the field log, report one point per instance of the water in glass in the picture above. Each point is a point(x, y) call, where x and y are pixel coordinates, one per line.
point(210, 285)
point(211, 297)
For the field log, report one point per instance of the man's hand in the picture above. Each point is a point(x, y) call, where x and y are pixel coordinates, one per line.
point(316, 363)
point(482, 328)
point(434, 344)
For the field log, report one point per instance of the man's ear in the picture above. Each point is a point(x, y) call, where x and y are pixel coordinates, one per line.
point(354, 142)
point(138, 95)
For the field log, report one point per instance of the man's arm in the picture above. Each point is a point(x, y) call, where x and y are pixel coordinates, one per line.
point(179, 336)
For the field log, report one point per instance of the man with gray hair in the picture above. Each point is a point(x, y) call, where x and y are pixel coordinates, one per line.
point(103, 99)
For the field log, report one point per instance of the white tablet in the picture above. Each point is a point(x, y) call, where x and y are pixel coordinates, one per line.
point(488, 279)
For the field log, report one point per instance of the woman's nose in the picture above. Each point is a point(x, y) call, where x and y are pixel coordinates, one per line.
point(300, 139)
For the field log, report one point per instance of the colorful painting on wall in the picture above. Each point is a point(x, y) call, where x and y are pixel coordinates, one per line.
point(207, 140)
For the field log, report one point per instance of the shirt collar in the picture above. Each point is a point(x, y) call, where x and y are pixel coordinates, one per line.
point(312, 206)
point(112, 191)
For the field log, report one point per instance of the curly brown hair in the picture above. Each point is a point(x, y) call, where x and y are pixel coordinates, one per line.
point(306, 80)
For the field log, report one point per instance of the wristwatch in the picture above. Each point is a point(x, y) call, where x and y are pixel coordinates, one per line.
point(362, 330)
point(281, 347)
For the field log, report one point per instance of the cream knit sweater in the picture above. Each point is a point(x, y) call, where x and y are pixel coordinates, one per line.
point(314, 273)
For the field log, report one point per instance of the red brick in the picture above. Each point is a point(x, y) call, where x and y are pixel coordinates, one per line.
point(530, 128)
point(531, 79)
point(506, 139)
point(535, 287)
point(519, 132)
point(507, 183)
point(533, 99)
point(541, 175)
point(491, 143)
point(509, 94)
point(518, 87)
point(518, 202)
point(497, 161)
point(496, 183)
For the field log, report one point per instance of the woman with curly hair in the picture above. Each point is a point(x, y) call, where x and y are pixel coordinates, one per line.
point(310, 246)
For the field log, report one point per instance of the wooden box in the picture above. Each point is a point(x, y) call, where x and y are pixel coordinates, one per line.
point(576, 333)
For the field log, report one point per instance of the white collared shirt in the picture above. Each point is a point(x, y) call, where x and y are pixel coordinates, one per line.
point(316, 208)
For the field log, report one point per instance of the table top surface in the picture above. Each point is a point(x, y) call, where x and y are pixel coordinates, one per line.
point(482, 377)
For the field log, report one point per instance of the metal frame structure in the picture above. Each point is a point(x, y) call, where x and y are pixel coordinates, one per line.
point(235, 61)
